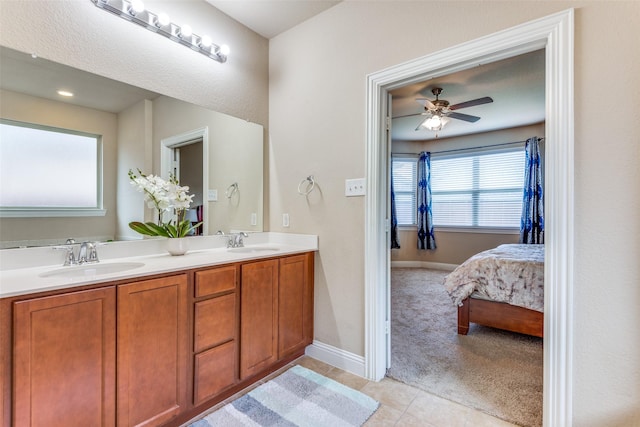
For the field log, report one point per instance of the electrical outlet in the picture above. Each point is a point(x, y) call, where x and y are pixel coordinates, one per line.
point(354, 187)
point(212, 195)
point(285, 219)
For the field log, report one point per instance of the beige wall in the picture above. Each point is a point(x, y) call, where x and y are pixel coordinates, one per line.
point(317, 125)
point(452, 247)
point(25, 108)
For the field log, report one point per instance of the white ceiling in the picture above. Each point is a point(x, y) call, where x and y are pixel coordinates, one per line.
point(268, 17)
point(516, 86)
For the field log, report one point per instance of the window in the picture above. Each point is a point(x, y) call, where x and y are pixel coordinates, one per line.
point(47, 171)
point(404, 185)
point(479, 189)
point(473, 189)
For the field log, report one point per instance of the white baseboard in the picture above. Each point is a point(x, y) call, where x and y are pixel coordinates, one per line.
point(336, 357)
point(424, 264)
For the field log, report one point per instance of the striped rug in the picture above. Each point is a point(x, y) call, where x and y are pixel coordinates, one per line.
point(298, 397)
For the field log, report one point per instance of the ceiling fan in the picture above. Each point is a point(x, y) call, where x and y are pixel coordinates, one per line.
point(439, 111)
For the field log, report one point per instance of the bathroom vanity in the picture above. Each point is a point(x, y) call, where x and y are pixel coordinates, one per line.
point(153, 345)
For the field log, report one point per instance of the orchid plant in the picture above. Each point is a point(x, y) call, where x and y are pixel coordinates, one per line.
point(164, 196)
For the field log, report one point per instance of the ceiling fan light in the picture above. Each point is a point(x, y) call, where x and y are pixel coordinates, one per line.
point(435, 122)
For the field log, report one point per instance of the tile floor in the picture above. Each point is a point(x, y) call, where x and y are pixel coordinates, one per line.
point(400, 405)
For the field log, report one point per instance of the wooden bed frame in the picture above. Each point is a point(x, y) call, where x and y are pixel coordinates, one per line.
point(499, 315)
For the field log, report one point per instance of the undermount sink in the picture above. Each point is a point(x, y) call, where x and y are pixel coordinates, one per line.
point(252, 249)
point(89, 270)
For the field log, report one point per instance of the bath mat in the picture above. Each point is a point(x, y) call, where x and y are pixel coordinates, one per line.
point(298, 397)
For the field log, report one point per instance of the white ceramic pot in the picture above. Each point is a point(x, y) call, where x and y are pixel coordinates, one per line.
point(178, 246)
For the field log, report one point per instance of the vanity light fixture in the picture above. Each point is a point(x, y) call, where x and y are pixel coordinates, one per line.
point(134, 11)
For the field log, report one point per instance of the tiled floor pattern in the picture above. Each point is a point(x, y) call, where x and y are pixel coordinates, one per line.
point(400, 405)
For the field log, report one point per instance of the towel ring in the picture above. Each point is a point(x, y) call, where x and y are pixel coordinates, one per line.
point(231, 190)
point(311, 183)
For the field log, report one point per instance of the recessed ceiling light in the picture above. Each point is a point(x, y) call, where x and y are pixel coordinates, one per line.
point(65, 93)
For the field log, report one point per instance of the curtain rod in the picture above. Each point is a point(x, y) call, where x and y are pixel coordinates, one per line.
point(465, 149)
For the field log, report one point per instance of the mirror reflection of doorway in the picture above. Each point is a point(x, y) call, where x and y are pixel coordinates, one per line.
point(188, 169)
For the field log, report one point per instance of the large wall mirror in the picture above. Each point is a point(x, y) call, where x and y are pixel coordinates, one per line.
point(220, 157)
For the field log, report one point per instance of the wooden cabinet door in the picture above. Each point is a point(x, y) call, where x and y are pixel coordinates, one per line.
point(64, 359)
point(153, 352)
point(258, 317)
point(295, 304)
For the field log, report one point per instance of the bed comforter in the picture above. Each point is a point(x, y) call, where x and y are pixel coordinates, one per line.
point(511, 273)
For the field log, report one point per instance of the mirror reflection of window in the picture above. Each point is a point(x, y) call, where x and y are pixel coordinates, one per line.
point(43, 168)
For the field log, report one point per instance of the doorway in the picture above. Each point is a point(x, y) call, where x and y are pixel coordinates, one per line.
point(554, 34)
point(186, 157)
point(479, 370)
point(188, 171)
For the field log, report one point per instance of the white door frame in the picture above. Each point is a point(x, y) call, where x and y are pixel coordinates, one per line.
point(555, 34)
point(167, 146)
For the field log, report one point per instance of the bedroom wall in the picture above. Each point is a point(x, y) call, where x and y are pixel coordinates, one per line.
point(454, 247)
point(317, 126)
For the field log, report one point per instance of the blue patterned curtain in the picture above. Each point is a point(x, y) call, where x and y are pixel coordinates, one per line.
point(426, 238)
point(395, 243)
point(532, 220)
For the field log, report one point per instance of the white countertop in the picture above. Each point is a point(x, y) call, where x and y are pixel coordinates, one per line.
point(21, 269)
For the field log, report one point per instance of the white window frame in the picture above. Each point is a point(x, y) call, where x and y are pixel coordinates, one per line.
point(49, 212)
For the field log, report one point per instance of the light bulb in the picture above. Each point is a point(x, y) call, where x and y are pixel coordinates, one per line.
point(65, 93)
point(434, 122)
point(225, 50)
point(137, 6)
point(205, 41)
point(186, 31)
point(163, 19)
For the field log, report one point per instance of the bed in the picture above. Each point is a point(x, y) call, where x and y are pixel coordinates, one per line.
point(502, 288)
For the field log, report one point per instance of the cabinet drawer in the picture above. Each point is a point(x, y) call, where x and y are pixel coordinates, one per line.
point(215, 321)
point(215, 370)
point(214, 281)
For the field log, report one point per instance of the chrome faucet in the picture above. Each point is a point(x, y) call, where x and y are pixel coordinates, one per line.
point(235, 240)
point(87, 253)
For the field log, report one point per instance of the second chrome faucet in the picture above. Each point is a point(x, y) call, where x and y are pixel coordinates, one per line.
point(236, 240)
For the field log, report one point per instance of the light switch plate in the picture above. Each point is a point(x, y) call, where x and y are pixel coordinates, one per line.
point(354, 187)
point(285, 219)
point(212, 195)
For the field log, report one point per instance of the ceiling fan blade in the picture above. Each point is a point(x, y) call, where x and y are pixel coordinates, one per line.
point(419, 127)
point(427, 103)
point(465, 117)
point(473, 102)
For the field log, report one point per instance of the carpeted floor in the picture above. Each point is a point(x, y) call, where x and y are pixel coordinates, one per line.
point(298, 397)
point(497, 372)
